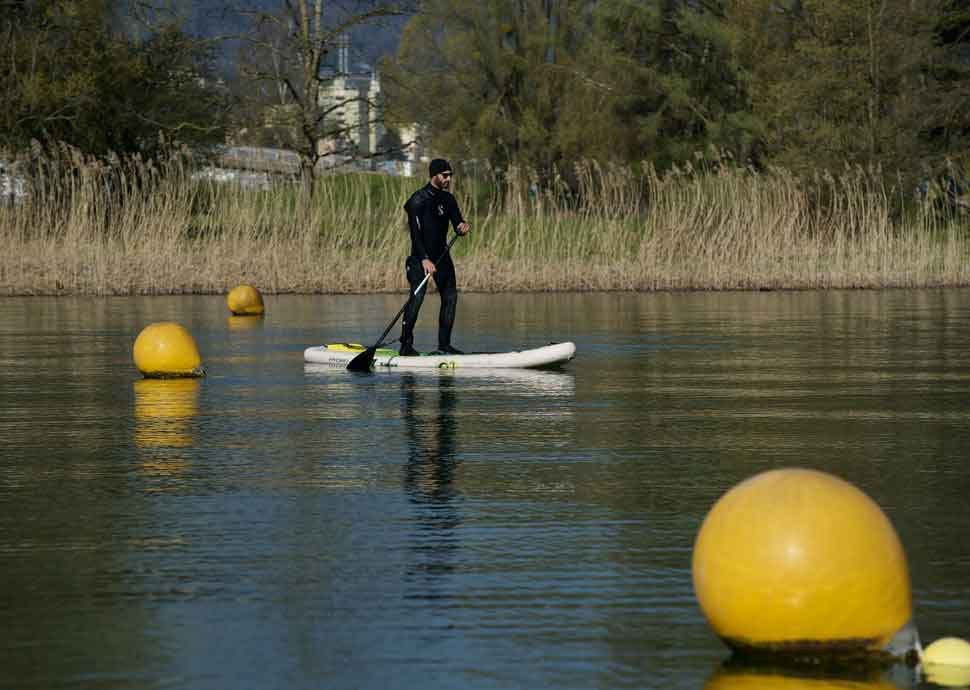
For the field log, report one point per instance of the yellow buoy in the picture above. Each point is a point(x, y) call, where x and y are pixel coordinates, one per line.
point(948, 676)
point(245, 300)
point(949, 651)
point(947, 662)
point(166, 350)
point(798, 562)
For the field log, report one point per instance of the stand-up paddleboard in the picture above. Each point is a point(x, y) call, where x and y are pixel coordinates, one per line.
point(550, 356)
point(548, 382)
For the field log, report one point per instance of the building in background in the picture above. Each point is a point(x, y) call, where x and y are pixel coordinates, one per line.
point(353, 102)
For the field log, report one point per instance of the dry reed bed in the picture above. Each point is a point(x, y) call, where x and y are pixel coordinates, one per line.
point(132, 227)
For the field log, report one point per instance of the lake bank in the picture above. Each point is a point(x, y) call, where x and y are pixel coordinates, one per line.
point(63, 271)
point(105, 232)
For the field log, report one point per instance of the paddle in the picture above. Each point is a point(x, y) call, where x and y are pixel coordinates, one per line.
point(365, 359)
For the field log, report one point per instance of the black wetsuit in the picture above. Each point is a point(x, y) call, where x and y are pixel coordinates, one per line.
point(430, 210)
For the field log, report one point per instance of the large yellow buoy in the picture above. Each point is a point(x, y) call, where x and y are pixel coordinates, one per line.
point(166, 350)
point(798, 562)
point(245, 300)
point(947, 662)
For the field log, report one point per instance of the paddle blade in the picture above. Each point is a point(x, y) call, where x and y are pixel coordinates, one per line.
point(364, 361)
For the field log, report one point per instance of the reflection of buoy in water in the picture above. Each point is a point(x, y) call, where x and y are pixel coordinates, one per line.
point(244, 323)
point(245, 300)
point(947, 662)
point(166, 350)
point(800, 563)
point(163, 409)
point(752, 680)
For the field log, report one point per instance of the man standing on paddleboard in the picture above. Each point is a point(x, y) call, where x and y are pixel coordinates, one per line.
point(430, 210)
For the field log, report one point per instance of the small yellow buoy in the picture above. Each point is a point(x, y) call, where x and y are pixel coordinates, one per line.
point(245, 300)
point(947, 662)
point(166, 350)
point(798, 562)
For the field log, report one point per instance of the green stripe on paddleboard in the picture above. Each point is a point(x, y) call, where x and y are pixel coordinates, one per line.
point(357, 347)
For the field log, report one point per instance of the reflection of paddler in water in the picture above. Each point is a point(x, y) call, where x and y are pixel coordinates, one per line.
point(164, 410)
point(429, 475)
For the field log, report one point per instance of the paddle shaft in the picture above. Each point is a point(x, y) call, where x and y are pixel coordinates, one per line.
point(367, 355)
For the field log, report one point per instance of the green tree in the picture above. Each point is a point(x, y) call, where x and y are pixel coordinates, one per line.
point(70, 75)
point(843, 82)
point(952, 70)
point(488, 80)
point(545, 83)
point(673, 82)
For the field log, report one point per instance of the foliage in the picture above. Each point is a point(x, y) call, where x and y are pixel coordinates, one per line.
point(535, 86)
point(488, 79)
point(70, 74)
point(675, 83)
point(855, 83)
point(808, 84)
point(543, 84)
point(952, 71)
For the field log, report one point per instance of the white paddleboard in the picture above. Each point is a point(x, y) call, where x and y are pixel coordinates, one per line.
point(340, 354)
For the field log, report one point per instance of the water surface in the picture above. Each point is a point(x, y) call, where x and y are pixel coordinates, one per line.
point(281, 525)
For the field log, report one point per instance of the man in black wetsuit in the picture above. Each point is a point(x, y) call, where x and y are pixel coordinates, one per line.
point(430, 210)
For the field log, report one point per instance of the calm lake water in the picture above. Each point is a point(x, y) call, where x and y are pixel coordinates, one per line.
point(279, 525)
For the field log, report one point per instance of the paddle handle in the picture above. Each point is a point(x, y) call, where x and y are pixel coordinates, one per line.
point(421, 284)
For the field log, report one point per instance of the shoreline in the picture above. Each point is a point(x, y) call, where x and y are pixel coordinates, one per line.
point(188, 292)
point(82, 268)
point(137, 231)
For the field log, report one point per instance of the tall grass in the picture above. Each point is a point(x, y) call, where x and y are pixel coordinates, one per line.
point(127, 226)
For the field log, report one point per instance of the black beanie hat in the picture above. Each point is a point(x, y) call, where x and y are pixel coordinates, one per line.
point(438, 165)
